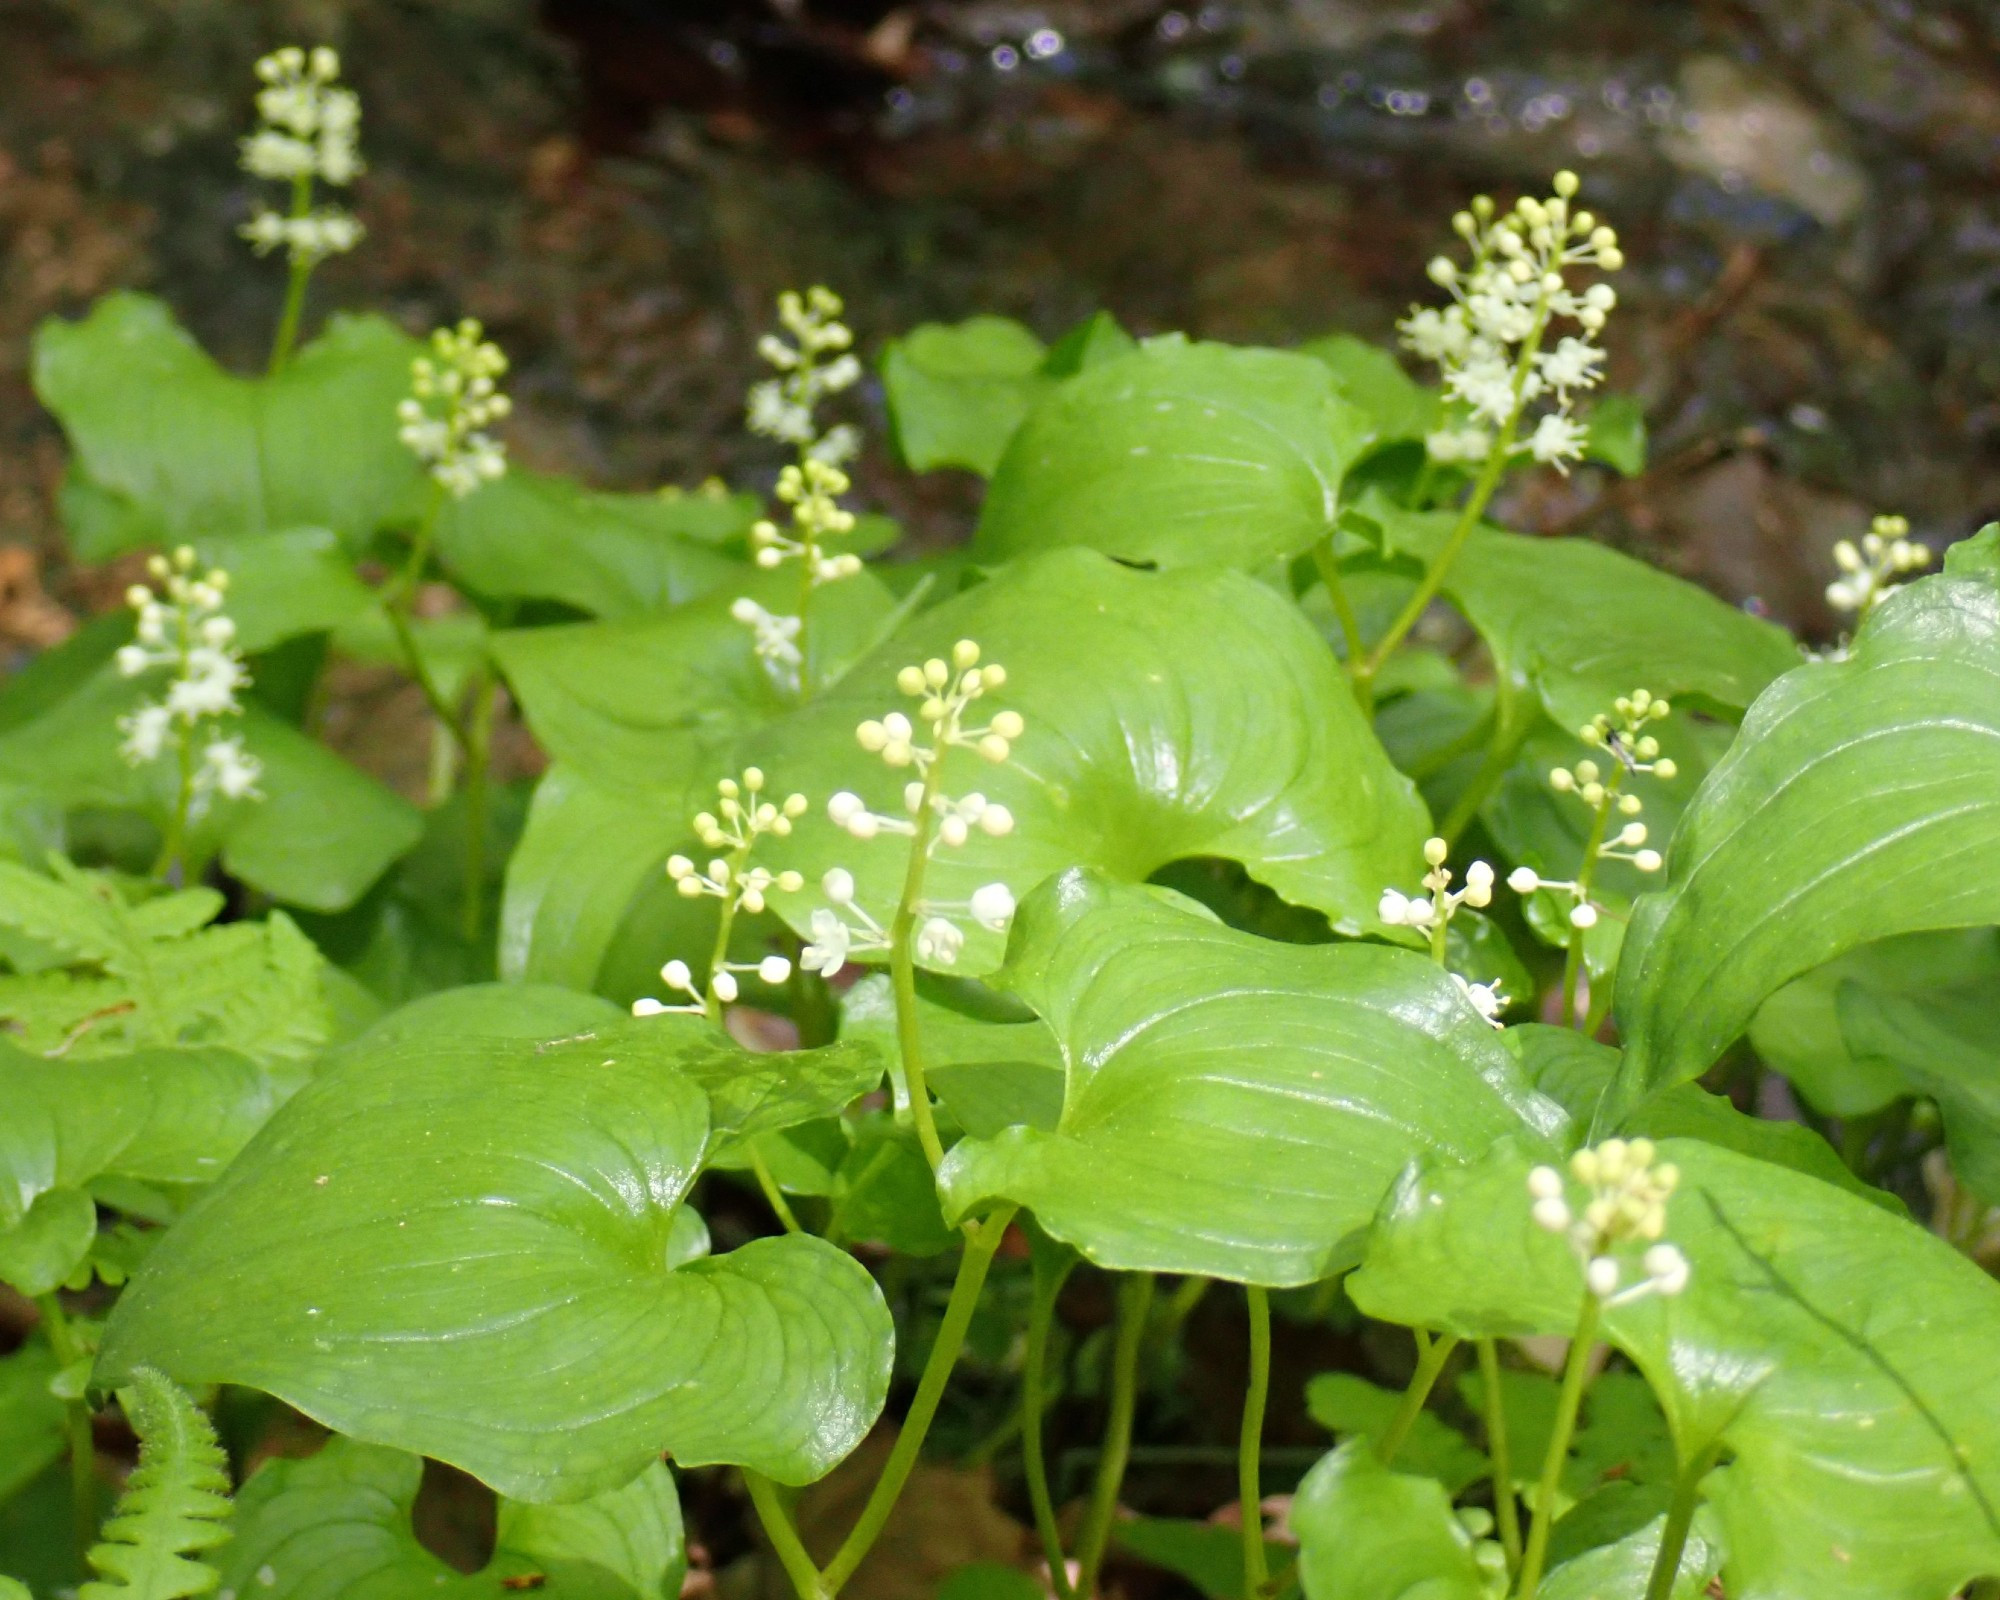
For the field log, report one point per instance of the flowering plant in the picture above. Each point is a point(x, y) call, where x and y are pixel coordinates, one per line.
point(801, 973)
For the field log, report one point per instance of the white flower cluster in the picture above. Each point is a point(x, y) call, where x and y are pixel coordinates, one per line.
point(946, 692)
point(308, 129)
point(454, 397)
point(187, 633)
point(1627, 1205)
point(775, 639)
point(817, 362)
point(741, 817)
point(1489, 340)
point(1887, 553)
point(1433, 915)
point(1634, 750)
point(811, 489)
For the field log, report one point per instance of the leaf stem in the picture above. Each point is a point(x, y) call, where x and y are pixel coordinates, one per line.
point(1328, 566)
point(1510, 732)
point(478, 746)
point(1576, 1374)
point(76, 1416)
point(1431, 1358)
point(774, 1197)
point(1250, 1445)
point(903, 971)
point(1680, 1518)
point(1505, 1511)
point(295, 285)
point(1050, 1275)
point(1482, 491)
point(981, 1242)
point(1135, 1301)
point(790, 1549)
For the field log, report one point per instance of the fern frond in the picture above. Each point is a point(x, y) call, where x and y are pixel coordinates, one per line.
point(175, 1505)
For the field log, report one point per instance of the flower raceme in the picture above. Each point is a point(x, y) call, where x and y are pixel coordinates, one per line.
point(945, 691)
point(1433, 916)
point(182, 628)
point(811, 489)
point(454, 397)
point(1626, 1205)
point(308, 130)
point(1886, 554)
point(742, 816)
point(1489, 341)
point(815, 363)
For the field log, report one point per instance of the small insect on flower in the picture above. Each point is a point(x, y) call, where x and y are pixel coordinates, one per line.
point(1868, 574)
point(1491, 341)
point(454, 398)
point(181, 628)
point(1627, 1190)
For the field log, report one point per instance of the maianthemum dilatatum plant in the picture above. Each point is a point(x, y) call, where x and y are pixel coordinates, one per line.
point(1253, 846)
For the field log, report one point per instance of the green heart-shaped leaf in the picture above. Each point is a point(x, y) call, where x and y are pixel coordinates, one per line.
point(1366, 1533)
point(1167, 715)
point(170, 448)
point(1235, 1107)
point(1840, 1355)
point(1178, 454)
point(336, 1526)
point(1859, 801)
point(957, 392)
point(466, 1246)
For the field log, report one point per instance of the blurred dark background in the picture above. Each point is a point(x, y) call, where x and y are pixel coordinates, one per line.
point(618, 187)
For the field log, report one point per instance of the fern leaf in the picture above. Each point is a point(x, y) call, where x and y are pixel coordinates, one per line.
point(175, 1505)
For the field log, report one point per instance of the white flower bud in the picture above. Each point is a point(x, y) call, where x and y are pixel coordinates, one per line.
point(1009, 724)
point(1583, 916)
point(1664, 768)
point(774, 969)
point(843, 807)
point(953, 831)
point(1551, 1214)
point(1668, 1269)
point(647, 1008)
point(838, 886)
point(1601, 1277)
point(677, 975)
point(723, 986)
point(1647, 861)
point(1524, 880)
point(993, 906)
point(1435, 850)
point(1545, 1183)
point(996, 821)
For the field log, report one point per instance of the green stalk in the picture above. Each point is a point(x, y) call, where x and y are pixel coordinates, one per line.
point(295, 286)
point(1505, 1511)
point(1343, 608)
point(478, 747)
point(76, 1416)
point(774, 1197)
point(176, 831)
point(1576, 1373)
point(1188, 1293)
point(785, 1541)
point(1510, 732)
point(1431, 1358)
point(981, 1242)
point(1049, 1279)
point(1135, 1300)
point(1482, 491)
point(1680, 1518)
point(1250, 1444)
point(1585, 875)
point(903, 971)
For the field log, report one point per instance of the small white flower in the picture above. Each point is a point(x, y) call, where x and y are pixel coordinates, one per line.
point(230, 769)
point(828, 942)
point(1488, 999)
point(993, 906)
point(146, 732)
point(939, 940)
point(1557, 440)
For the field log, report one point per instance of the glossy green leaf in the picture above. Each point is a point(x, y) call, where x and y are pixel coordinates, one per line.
point(532, 536)
point(1178, 454)
point(1168, 716)
point(1977, 558)
point(120, 977)
point(1798, 1032)
point(991, 1074)
point(1949, 1049)
point(1235, 1108)
point(283, 584)
point(1837, 1353)
point(336, 1526)
point(1373, 379)
point(463, 1246)
point(1366, 1533)
point(1348, 1405)
point(1586, 624)
point(323, 832)
point(31, 1419)
point(159, 1116)
point(1577, 1073)
point(957, 391)
point(1860, 800)
point(170, 448)
point(48, 1242)
point(1621, 1571)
